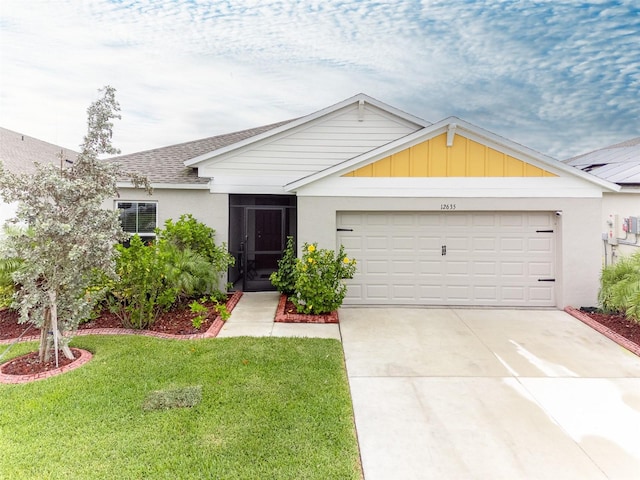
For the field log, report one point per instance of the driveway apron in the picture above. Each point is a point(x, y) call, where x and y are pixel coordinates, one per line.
point(502, 394)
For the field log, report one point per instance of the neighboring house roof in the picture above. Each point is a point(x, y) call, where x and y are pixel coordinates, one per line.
point(19, 152)
point(619, 163)
point(166, 165)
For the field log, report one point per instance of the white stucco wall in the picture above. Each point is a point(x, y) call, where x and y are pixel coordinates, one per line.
point(579, 245)
point(210, 209)
point(623, 205)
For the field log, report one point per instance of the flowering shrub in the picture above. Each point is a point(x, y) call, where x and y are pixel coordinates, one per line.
point(284, 279)
point(319, 286)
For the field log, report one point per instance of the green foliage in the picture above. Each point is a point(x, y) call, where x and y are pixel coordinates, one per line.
point(284, 279)
point(8, 266)
point(142, 291)
point(69, 234)
point(620, 287)
point(201, 310)
point(189, 234)
point(187, 271)
point(319, 286)
point(182, 264)
point(221, 309)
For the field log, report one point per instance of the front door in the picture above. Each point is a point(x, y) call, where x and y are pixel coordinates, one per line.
point(259, 226)
point(264, 240)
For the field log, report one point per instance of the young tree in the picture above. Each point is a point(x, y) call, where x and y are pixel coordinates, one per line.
point(69, 235)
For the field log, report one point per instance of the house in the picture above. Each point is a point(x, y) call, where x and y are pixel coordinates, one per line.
point(19, 153)
point(442, 213)
point(619, 164)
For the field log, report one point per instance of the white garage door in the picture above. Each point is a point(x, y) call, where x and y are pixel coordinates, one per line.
point(452, 258)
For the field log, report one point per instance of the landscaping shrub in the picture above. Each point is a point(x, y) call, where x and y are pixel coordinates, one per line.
point(620, 287)
point(319, 286)
point(284, 279)
point(142, 291)
point(189, 234)
point(184, 263)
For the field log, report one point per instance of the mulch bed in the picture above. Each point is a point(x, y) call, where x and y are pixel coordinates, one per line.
point(176, 323)
point(287, 313)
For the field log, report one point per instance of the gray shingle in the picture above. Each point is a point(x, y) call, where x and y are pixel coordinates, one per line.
point(166, 165)
point(18, 152)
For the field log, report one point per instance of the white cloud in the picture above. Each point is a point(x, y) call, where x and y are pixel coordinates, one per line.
point(558, 76)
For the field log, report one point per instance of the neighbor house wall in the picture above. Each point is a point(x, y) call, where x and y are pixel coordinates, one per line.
point(578, 249)
point(623, 205)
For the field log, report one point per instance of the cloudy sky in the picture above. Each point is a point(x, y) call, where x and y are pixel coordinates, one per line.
point(559, 76)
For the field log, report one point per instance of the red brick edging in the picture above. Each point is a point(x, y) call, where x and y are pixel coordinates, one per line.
point(606, 331)
point(84, 357)
point(283, 317)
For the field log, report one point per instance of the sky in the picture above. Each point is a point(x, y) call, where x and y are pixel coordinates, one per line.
point(560, 77)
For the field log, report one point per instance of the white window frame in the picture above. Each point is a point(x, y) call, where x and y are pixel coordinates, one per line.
point(117, 204)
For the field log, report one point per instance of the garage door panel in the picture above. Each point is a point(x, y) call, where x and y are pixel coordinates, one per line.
point(512, 269)
point(380, 243)
point(541, 269)
point(403, 267)
point(540, 245)
point(404, 244)
point(430, 268)
point(484, 244)
point(512, 245)
point(454, 268)
point(484, 269)
point(429, 245)
point(486, 293)
point(492, 259)
point(376, 267)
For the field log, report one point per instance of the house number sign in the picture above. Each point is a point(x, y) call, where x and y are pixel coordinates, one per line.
point(447, 206)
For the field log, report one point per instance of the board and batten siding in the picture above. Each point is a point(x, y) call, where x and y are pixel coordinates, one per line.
point(308, 149)
point(464, 158)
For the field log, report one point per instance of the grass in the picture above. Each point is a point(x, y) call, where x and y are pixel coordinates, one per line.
point(268, 408)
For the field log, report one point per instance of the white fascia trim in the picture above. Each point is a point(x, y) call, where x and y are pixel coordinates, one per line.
point(517, 150)
point(304, 120)
point(467, 130)
point(166, 186)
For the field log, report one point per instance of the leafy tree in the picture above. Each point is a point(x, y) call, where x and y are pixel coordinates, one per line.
point(69, 235)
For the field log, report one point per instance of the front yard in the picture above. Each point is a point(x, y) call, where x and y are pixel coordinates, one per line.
point(268, 408)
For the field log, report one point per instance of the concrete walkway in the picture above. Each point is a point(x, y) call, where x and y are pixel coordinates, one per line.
point(253, 317)
point(478, 394)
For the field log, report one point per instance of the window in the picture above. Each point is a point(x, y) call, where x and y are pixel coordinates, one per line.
point(139, 217)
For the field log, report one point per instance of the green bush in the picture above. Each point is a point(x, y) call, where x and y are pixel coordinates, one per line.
point(284, 279)
point(620, 287)
point(319, 286)
point(188, 234)
point(142, 291)
point(7, 286)
point(182, 264)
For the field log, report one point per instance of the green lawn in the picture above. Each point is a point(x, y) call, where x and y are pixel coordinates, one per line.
point(270, 408)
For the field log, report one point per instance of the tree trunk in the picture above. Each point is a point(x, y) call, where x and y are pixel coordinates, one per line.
point(57, 336)
point(44, 351)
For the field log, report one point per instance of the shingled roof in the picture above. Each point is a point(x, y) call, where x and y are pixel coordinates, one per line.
point(19, 152)
point(619, 163)
point(165, 165)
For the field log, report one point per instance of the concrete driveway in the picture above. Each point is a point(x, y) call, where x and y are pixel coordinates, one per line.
point(490, 394)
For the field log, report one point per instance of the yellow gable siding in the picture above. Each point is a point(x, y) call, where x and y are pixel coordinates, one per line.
point(465, 158)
